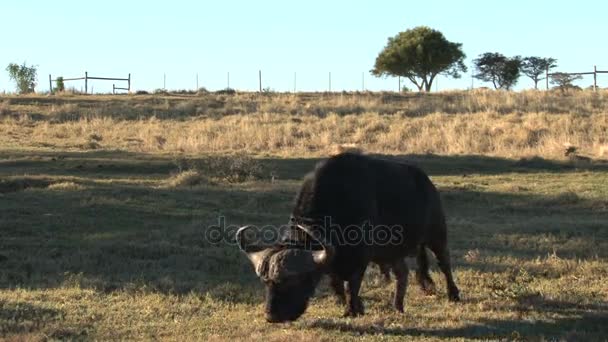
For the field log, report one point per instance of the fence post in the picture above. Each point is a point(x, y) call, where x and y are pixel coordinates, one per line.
point(50, 84)
point(86, 82)
point(260, 79)
point(363, 81)
point(228, 77)
point(399, 89)
point(129, 83)
point(547, 77)
point(595, 78)
point(113, 89)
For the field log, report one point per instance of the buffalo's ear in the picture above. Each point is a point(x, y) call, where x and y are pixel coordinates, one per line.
point(256, 254)
point(323, 257)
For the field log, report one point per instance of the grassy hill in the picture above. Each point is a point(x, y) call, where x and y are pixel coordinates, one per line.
point(105, 201)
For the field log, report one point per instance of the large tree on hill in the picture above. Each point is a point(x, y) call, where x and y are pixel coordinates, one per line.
point(534, 67)
point(420, 54)
point(502, 71)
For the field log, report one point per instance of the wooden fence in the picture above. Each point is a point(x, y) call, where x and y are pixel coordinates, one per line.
point(86, 79)
point(594, 73)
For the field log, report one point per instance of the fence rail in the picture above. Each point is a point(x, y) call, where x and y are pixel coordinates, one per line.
point(86, 79)
point(115, 87)
point(594, 73)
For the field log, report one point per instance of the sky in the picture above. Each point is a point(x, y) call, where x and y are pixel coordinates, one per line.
point(306, 40)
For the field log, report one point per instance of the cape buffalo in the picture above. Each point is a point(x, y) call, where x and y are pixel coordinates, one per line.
point(351, 210)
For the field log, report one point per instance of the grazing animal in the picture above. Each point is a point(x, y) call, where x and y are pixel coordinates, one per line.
point(345, 200)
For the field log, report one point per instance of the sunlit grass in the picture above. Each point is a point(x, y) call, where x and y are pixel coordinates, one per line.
point(489, 123)
point(108, 243)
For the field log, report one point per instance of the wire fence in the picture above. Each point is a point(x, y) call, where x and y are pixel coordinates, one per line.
point(399, 81)
point(86, 79)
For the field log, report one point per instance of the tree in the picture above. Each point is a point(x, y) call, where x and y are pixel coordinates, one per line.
point(502, 71)
point(24, 77)
point(533, 67)
point(564, 81)
point(420, 54)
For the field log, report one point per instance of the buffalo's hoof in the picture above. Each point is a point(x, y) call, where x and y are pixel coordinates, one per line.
point(428, 287)
point(454, 296)
point(354, 311)
point(349, 313)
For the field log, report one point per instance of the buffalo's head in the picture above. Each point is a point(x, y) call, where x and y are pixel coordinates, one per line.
point(290, 274)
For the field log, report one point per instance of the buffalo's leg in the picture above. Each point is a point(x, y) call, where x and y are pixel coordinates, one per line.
point(337, 284)
point(353, 301)
point(386, 271)
point(443, 259)
point(422, 274)
point(401, 273)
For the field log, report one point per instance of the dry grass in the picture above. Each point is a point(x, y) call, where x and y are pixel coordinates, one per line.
point(489, 123)
point(188, 178)
point(105, 204)
point(65, 186)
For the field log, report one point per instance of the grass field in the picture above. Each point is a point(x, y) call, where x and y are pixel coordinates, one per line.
point(104, 203)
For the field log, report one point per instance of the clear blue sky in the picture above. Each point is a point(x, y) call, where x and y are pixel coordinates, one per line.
point(182, 38)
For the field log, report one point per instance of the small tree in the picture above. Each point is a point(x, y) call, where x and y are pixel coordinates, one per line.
point(502, 71)
point(534, 67)
point(564, 81)
point(420, 54)
point(24, 77)
point(59, 85)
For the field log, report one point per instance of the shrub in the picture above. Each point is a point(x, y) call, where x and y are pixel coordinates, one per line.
point(4, 108)
point(227, 91)
point(237, 168)
point(24, 77)
point(59, 85)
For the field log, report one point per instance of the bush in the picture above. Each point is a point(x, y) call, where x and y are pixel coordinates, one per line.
point(59, 85)
point(183, 92)
point(4, 108)
point(232, 169)
point(24, 77)
point(227, 91)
